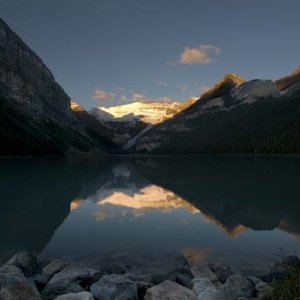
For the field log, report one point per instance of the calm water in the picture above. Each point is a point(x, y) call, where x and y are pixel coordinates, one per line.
point(145, 213)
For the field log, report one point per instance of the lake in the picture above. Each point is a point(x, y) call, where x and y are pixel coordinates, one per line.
point(141, 213)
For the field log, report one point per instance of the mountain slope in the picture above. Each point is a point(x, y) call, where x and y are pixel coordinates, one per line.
point(93, 127)
point(288, 81)
point(35, 113)
point(252, 118)
point(129, 121)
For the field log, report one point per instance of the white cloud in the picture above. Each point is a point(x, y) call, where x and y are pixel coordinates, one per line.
point(184, 88)
point(199, 55)
point(103, 95)
point(162, 83)
point(138, 97)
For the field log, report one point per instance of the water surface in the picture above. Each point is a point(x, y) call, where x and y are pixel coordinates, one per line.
point(141, 213)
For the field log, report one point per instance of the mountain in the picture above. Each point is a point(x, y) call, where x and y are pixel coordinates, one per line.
point(252, 117)
point(129, 120)
point(93, 127)
point(287, 82)
point(35, 113)
point(222, 87)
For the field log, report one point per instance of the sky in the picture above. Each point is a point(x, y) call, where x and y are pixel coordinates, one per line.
point(110, 52)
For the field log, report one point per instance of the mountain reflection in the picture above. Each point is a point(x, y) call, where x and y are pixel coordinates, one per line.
point(150, 206)
point(261, 193)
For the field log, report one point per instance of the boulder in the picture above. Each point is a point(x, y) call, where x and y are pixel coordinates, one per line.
point(65, 286)
point(254, 90)
point(204, 271)
point(169, 290)
point(143, 283)
point(55, 266)
point(15, 286)
point(76, 272)
point(76, 296)
point(26, 262)
point(224, 294)
point(208, 294)
point(255, 280)
point(40, 280)
point(116, 286)
point(221, 271)
point(184, 277)
point(239, 286)
point(201, 284)
point(262, 290)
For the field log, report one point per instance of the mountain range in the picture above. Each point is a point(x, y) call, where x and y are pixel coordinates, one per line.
point(234, 116)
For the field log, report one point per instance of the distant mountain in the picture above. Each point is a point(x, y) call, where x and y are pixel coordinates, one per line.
point(129, 120)
point(35, 113)
point(234, 117)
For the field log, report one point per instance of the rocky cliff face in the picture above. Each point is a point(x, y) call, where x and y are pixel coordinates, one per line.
point(35, 113)
point(26, 81)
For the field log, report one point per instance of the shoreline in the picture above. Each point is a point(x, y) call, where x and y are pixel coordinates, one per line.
point(28, 277)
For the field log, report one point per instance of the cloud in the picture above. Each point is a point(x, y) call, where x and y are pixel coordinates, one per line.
point(184, 88)
point(137, 97)
point(199, 55)
point(162, 83)
point(103, 95)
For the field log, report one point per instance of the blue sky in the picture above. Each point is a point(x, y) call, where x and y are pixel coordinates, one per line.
point(106, 52)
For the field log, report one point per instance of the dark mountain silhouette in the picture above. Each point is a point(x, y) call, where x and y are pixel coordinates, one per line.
point(35, 113)
point(251, 118)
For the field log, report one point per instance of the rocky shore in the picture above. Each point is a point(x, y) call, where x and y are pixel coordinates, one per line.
point(26, 277)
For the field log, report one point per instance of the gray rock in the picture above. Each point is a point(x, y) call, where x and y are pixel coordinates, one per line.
point(262, 290)
point(221, 271)
point(66, 286)
point(111, 287)
point(26, 262)
point(76, 296)
point(10, 269)
point(15, 286)
point(203, 271)
point(239, 286)
point(40, 280)
point(184, 277)
point(201, 284)
point(143, 283)
point(55, 266)
point(142, 288)
point(224, 294)
point(169, 290)
point(142, 278)
point(76, 272)
point(253, 90)
point(254, 280)
point(208, 294)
